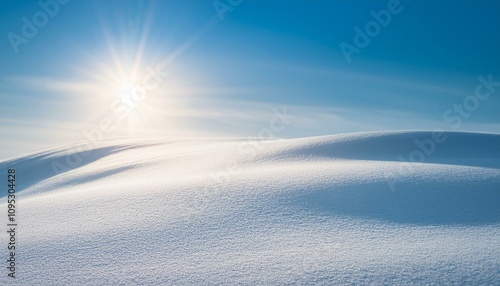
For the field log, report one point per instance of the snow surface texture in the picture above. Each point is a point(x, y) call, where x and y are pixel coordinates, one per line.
point(332, 210)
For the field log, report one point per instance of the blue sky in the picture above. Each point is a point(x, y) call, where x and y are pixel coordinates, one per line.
point(226, 65)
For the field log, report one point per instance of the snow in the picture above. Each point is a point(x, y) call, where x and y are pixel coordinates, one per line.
point(330, 210)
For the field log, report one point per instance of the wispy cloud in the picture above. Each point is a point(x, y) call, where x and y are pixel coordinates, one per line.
point(66, 86)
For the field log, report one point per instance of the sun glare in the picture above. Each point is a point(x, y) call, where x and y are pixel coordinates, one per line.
point(130, 82)
point(126, 94)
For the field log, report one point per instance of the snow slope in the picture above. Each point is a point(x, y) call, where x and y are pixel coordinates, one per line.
point(332, 210)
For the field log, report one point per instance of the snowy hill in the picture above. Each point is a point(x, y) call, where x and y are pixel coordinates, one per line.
point(367, 208)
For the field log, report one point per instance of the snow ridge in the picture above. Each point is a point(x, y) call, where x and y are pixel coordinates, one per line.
point(367, 208)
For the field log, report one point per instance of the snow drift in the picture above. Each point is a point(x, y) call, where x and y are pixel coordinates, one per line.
point(390, 207)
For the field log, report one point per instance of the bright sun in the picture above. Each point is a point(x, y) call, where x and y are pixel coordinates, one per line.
point(126, 94)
